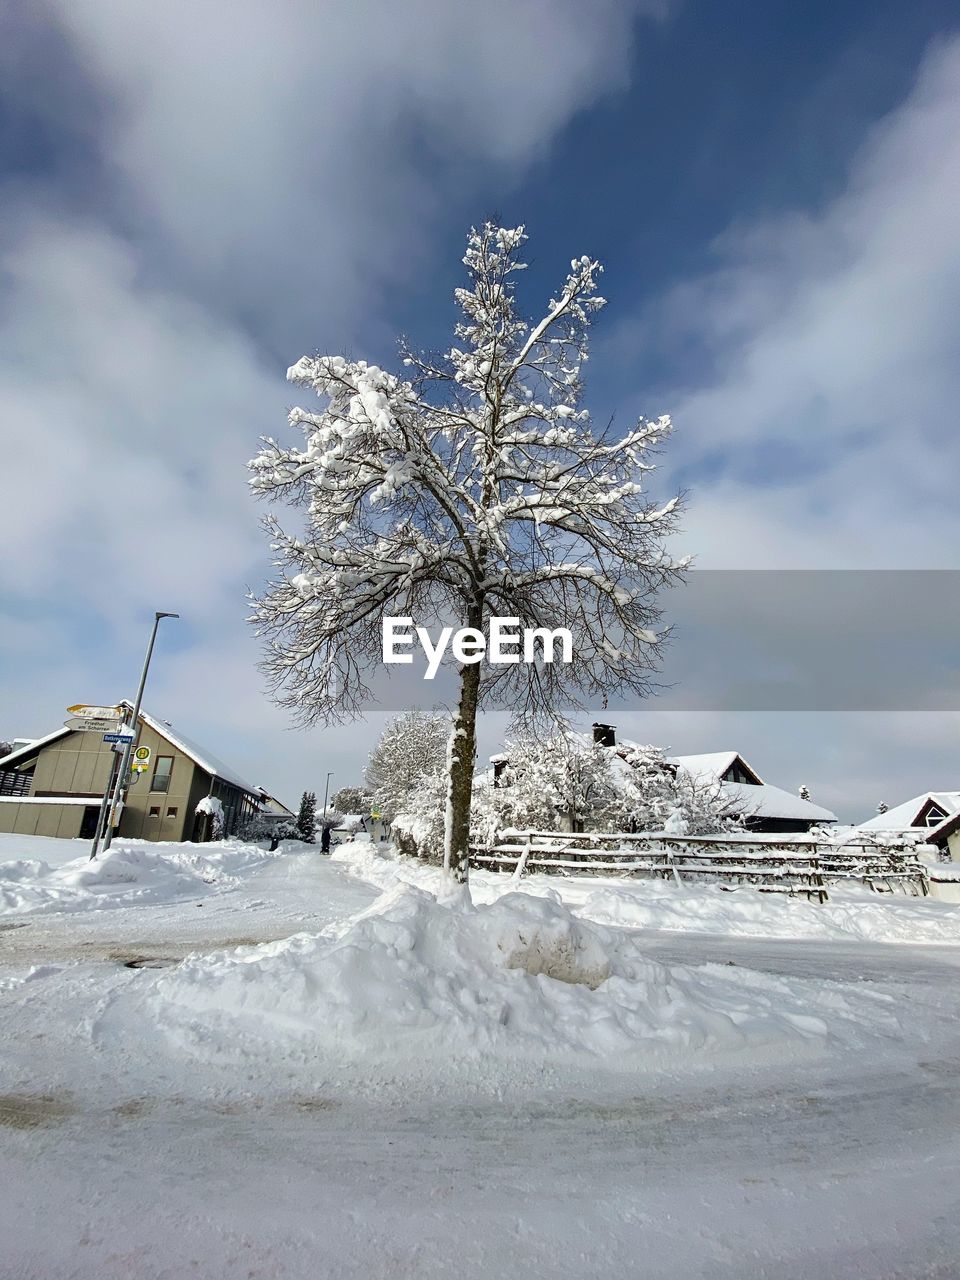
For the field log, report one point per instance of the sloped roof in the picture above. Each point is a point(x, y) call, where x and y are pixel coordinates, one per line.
point(712, 765)
point(31, 747)
point(768, 801)
point(199, 755)
point(904, 816)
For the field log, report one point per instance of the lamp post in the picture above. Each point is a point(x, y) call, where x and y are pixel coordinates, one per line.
point(120, 785)
point(326, 792)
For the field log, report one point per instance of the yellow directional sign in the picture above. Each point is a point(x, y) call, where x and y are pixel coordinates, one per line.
point(96, 713)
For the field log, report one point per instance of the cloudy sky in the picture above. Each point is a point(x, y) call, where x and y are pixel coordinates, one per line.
point(196, 195)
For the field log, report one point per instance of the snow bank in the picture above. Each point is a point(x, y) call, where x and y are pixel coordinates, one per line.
point(700, 908)
point(130, 873)
point(848, 914)
point(410, 982)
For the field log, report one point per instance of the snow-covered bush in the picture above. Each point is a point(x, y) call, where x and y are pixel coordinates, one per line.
point(214, 808)
point(418, 830)
point(269, 826)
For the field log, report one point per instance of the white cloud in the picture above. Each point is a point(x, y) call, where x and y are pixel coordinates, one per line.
point(236, 182)
point(292, 158)
point(130, 415)
point(832, 335)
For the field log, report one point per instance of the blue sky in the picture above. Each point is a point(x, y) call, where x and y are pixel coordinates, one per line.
point(194, 197)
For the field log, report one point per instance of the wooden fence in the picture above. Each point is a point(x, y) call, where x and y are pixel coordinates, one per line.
point(773, 863)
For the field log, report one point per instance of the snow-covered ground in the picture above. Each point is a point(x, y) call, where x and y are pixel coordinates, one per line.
point(699, 908)
point(585, 1079)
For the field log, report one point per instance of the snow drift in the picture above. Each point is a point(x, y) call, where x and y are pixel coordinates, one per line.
point(131, 873)
point(522, 979)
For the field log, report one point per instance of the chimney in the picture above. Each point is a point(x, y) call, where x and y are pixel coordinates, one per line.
point(605, 735)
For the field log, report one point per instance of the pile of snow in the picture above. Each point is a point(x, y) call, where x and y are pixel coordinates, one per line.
point(747, 913)
point(130, 873)
point(411, 981)
point(696, 908)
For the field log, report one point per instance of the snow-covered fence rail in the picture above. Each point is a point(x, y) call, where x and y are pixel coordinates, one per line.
point(774, 863)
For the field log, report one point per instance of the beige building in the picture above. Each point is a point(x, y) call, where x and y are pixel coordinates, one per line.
point(53, 787)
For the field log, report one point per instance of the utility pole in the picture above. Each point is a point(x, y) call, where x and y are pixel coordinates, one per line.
point(120, 784)
point(105, 802)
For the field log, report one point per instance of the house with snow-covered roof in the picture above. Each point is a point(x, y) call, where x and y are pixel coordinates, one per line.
point(760, 805)
point(933, 817)
point(53, 786)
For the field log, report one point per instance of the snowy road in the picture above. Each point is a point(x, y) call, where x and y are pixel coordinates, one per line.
point(300, 891)
point(915, 965)
point(118, 1163)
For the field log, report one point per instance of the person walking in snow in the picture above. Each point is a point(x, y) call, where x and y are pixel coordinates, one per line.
point(325, 840)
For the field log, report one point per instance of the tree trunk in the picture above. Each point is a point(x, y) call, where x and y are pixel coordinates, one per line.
point(461, 755)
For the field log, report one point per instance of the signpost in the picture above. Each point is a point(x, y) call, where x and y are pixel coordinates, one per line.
point(120, 782)
point(118, 737)
point(85, 711)
point(91, 724)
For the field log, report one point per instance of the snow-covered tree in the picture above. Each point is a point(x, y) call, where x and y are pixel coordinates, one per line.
point(352, 800)
point(882, 807)
point(471, 486)
point(413, 746)
point(706, 808)
point(557, 781)
point(563, 781)
point(307, 817)
point(804, 793)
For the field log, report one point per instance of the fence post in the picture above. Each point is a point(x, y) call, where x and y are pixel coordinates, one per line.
point(674, 868)
point(521, 866)
point(817, 880)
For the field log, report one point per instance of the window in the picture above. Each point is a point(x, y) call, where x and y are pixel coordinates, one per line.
point(172, 812)
point(161, 774)
point(737, 773)
point(154, 811)
point(934, 816)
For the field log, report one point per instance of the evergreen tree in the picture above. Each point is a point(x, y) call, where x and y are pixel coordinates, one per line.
point(307, 817)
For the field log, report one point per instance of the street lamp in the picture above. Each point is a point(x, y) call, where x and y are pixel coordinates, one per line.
point(121, 783)
point(326, 792)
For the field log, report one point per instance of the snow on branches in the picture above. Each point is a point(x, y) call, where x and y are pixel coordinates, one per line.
point(564, 783)
point(412, 746)
point(472, 485)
